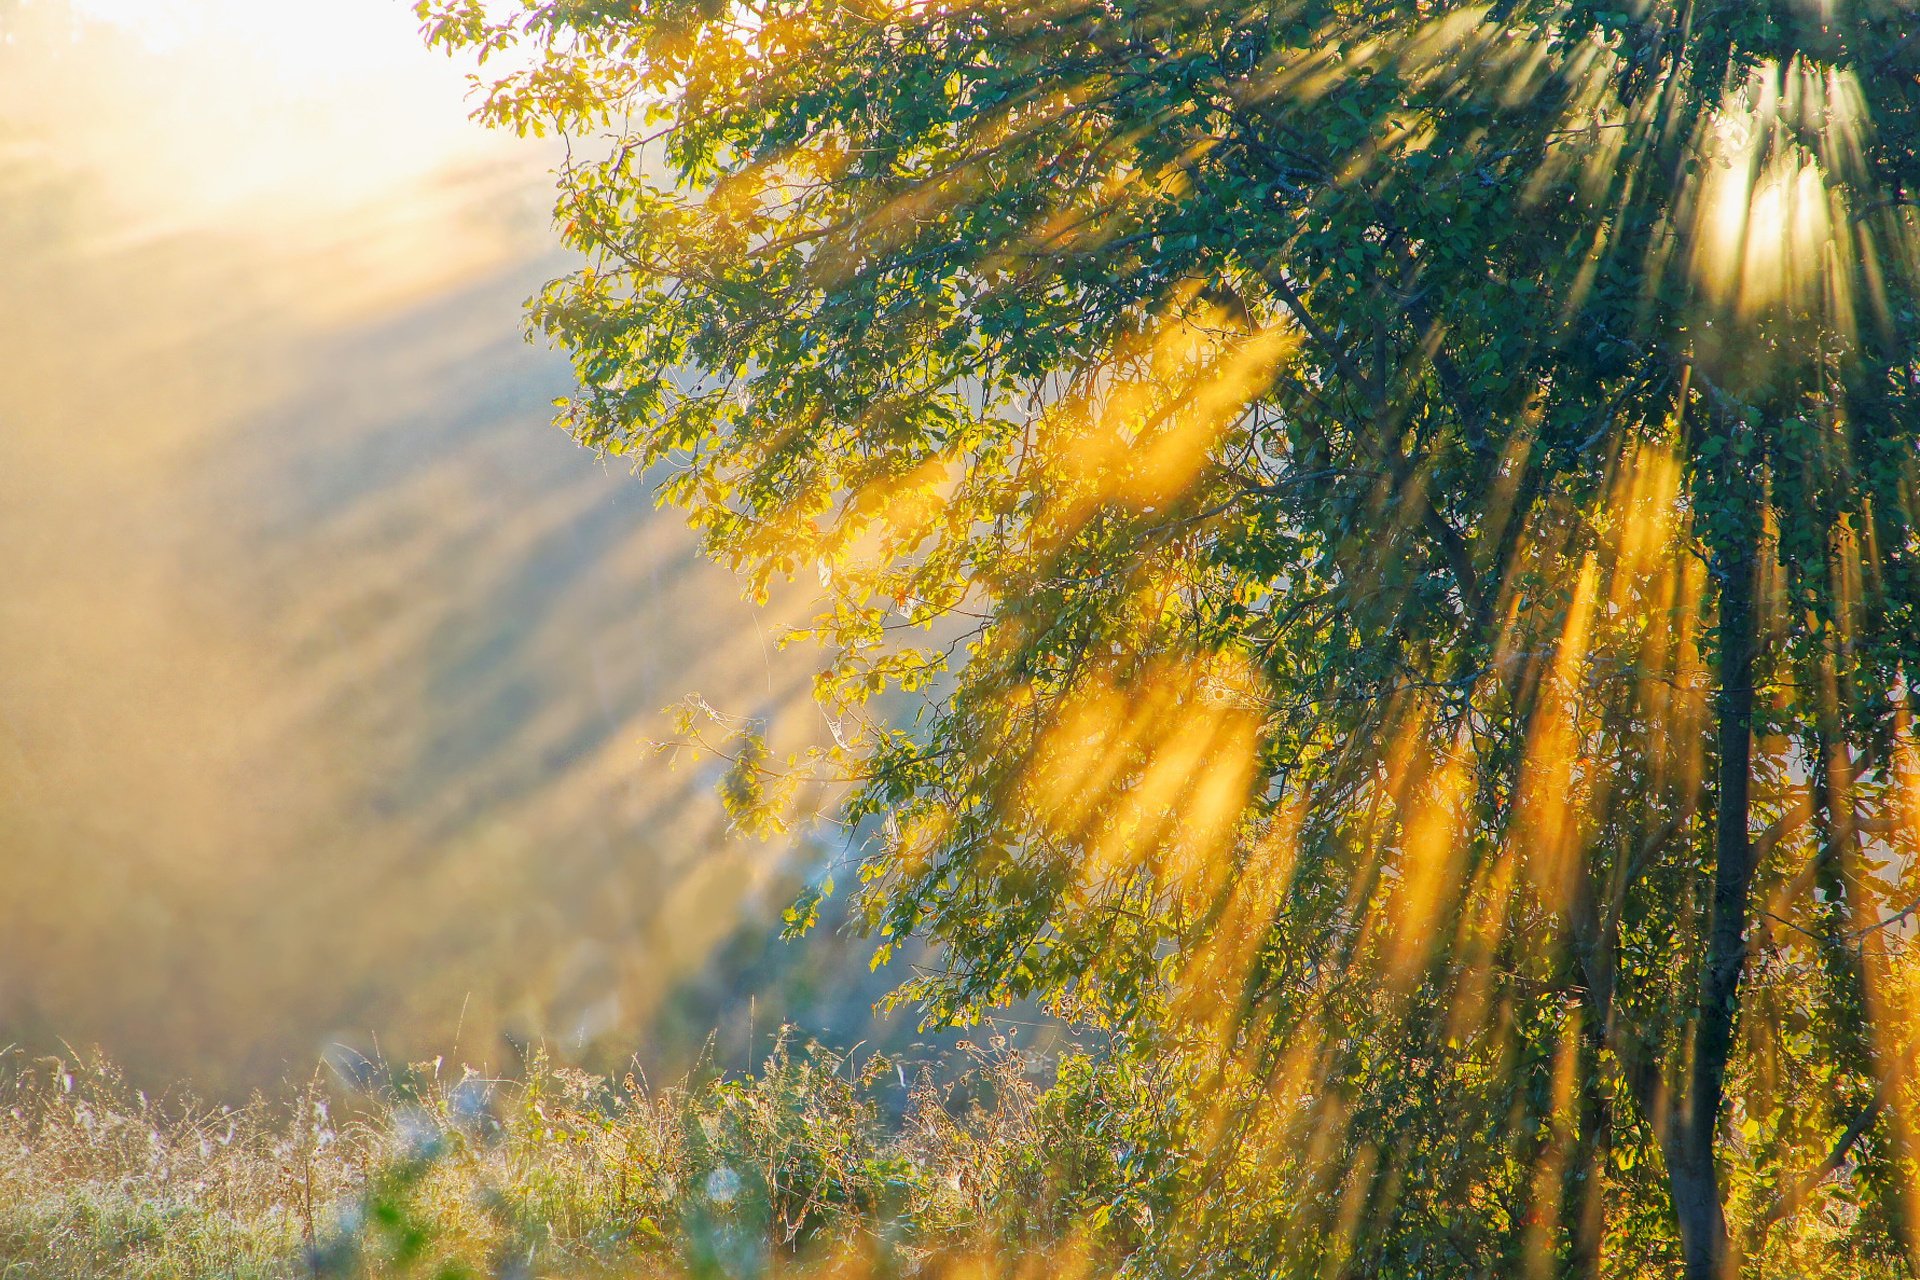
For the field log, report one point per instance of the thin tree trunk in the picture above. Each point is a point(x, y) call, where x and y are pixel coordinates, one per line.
point(1692, 1172)
point(1586, 1196)
point(1851, 910)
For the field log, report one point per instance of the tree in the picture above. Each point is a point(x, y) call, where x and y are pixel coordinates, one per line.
point(1400, 516)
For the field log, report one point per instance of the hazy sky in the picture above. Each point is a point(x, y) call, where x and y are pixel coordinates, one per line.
point(344, 34)
point(206, 107)
point(326, 663)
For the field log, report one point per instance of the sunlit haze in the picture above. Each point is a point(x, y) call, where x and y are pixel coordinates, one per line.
point(1129, 637)
point(326, 664)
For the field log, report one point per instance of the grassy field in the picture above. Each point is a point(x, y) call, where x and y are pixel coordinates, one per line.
point(427, 1172)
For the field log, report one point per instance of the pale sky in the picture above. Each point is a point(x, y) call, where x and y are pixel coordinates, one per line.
point(348, 35)
point(242, 110)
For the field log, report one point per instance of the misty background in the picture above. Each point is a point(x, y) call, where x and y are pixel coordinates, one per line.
point(327, 665)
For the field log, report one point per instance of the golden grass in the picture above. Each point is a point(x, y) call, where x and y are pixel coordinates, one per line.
point(801, 1167)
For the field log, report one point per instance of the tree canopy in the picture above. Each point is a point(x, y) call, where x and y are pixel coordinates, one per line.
point(1398, 518)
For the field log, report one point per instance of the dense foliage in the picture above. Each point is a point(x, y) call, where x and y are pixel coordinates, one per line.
point(1400, 518)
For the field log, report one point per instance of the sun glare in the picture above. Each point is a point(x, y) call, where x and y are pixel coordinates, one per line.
point(202, 113)
point(1771, 219)
point(353, 35)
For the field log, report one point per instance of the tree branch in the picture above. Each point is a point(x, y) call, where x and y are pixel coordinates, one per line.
point(1789, 1202)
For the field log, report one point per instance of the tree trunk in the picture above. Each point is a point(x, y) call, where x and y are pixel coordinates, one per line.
point(1586, 1196)
point(1692, 1172)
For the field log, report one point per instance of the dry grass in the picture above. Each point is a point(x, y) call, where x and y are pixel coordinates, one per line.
point(551, 1173)
point(97, 1179)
